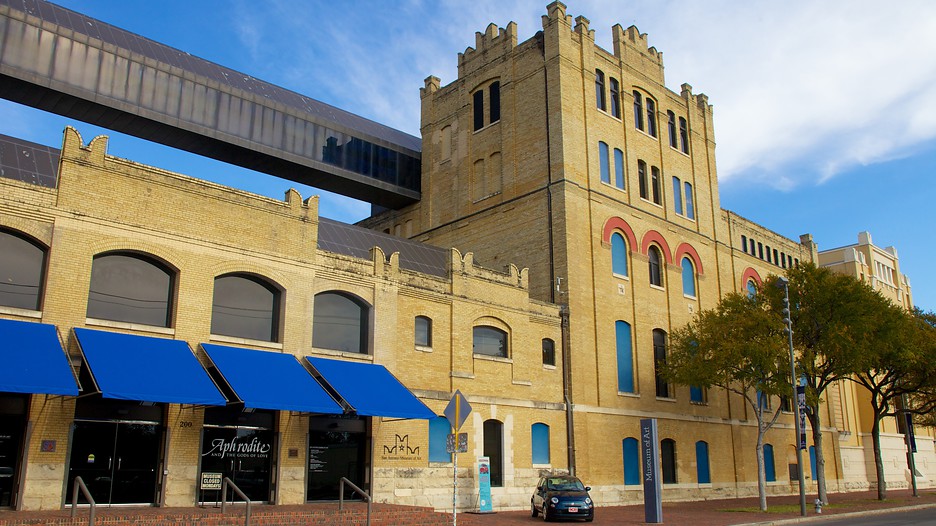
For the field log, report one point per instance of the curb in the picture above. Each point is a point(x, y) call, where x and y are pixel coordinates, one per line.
point(839, 516)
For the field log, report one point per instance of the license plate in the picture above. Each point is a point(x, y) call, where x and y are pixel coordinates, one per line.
point(573, 510)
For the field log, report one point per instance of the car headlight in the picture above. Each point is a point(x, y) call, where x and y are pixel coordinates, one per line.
point(554, 500)
point(587, 500)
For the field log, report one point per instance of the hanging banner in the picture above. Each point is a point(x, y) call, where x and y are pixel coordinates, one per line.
point(801, 402)
point(484, 485)
point(652, 480)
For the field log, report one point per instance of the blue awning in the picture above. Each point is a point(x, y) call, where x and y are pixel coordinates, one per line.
point(370, 389)
point(132, 367)
point(270, 380)
point(33, 360)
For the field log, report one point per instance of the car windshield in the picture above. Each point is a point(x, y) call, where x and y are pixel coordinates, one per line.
point(565, 484)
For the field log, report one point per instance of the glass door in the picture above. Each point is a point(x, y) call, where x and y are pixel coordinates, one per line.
point(118, 461)
point(12, 428)
point(337, 448)
point(244, 455)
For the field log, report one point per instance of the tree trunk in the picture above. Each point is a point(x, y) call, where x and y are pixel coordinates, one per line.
point(761, 473)
point(878, 461)
point(816, 423)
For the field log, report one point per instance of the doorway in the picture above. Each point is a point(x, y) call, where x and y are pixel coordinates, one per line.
point(337, 448)
point(118, 460)
point(12, 431)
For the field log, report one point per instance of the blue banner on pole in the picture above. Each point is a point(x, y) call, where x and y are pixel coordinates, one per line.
point(650, 464)
point(484, 485)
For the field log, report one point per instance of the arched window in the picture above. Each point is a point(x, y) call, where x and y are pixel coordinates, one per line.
point(688, 278)
point(489, 341)
point(22, 268)
point(671, 127)
point(677, 196)
point(604, 162)
point(439, 429)
point(625, 356)
point(540, 443)
point(494, 93)
point(703, 475)
point(642, 179)
point(245, 307)
point(423, 331)
point(638, 110)
point(690, 205)
point(651, 118)
point(340, 322)
point(599, 89)
point(549, 352)
point(655, 188)
point(131, 288)
point(631, 461)
point(478, 103)
point(656, 271)
point(751, 288)
point(769, 470)
point(668, 460)
point(618, 255)
point(659, 362)
point(683, 135)
point(493, 441)
point(619, 168)
point(615, 98)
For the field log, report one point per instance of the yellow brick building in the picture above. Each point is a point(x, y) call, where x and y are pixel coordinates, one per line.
point(586, 185)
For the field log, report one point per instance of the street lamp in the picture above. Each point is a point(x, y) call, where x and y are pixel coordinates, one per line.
point(784, 283)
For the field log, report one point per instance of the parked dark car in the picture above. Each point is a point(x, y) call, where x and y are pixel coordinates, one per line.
point(562, 497)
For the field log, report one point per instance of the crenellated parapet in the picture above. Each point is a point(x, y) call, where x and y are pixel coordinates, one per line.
point(464, 265)
point(493, 43)
point(631, 39)
point(700, 100)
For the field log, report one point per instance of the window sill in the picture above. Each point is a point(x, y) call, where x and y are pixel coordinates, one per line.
point(96, 322)
point(549, 367)
point(621, 276)
point(481, 129)
point(679, 151)
point(23, 313)
point(665, 399)
point(246, 341)
point(688, 297)
point(342, 354)
point(696, 402)
point(478, 200)
point(649, 202)
point(459, 374)
point(647, 134)
point(500, 359)
point(542, 466)
point(608, 113)
point(424, 348)
point(527, 383)
point(616, 187)
point(625, 394)
point(657, 287)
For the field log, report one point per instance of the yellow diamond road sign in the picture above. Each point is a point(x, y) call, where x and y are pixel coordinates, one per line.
point(457, 410)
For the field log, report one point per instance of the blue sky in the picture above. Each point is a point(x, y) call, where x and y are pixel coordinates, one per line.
point(825, 112)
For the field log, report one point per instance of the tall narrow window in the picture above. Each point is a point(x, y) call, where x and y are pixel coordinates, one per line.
point(688, 278)
point(668, 460)
point(22, 266)
point(549, 352)
point(489, 341)
point(638, 111)
point(615, 98)
point(619, 168)
point(130, 288)
point(439, 429)
point(760, 250)
point(751, 288)
point(604, 162)
point(743, 243)
point(631, 454)
point(493, 442)
point(494, 101)
point(340, 323)
point(683, 136)
point(245, 307)
point(539, 434)
point(625, 356)
point(478, 110)
point(703, 475)
point(659, 362)
point(677, 196)
point(776, 255)
point(423, 331)
point(769, 468)
point(671, 127)
point(656, 272)
point(690, 205)
point(600, 89)
point(618, 255)
point(651, 117)
point(642, 179)
point(655, 185)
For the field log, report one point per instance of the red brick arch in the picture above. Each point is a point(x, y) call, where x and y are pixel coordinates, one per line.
point(685, 249)
point(654, 237)
point(749, 274)
point(617, 224)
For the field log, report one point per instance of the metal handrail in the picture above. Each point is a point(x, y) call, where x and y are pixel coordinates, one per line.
point(224, 486)
point(359, 491)
point(79, 484)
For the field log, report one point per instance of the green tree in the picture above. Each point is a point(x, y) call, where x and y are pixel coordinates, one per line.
point(827, 311)
point(739, 346)
point(898, 363)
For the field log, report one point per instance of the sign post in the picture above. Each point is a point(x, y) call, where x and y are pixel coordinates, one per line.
point(652, 482)
point(456, 412)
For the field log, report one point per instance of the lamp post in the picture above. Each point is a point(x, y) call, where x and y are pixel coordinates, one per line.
point(784, 283)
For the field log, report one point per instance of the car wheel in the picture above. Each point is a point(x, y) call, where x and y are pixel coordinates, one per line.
point(589, 519)
point(533, 512)
point(545, 513)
